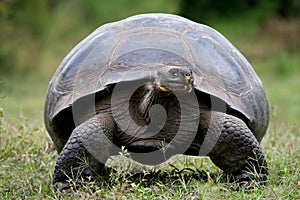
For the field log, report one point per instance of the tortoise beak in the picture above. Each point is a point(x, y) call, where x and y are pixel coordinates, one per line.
point(189, 83)
point(186, 88)
point(189, 79)
point(162, 88)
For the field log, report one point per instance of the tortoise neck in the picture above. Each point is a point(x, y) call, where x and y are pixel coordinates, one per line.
point(147, 96)
point(148, 99)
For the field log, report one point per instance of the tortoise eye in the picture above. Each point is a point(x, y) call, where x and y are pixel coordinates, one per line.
point(174, 73)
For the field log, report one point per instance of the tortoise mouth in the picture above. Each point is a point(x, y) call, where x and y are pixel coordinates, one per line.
point(175, 87)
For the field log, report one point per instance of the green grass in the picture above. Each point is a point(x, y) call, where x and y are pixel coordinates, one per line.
point(27, 157)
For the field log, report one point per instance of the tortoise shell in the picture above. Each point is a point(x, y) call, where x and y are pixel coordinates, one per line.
point(134, 48)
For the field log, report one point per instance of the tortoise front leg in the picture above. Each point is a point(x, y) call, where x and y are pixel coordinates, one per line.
point(233, 147)
point(87, 150)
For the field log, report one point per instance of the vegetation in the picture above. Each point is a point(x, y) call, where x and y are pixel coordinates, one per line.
point(205, 10)
point(36, 35)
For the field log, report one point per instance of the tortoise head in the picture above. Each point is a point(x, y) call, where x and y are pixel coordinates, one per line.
point(174, 78)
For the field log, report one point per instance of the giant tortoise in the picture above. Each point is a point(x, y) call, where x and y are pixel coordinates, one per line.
point(156, 85)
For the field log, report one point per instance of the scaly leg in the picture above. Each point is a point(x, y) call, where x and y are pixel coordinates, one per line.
point(87, 150)
point(233, 147)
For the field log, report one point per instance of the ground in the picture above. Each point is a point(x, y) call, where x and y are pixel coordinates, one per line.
point(27, 157)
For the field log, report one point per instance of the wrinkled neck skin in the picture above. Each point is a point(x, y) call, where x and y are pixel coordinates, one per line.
point(168, 118)
point(155, 119)
point(152, 98)
point(157, 115)
point(147, 100)
point(158, 104)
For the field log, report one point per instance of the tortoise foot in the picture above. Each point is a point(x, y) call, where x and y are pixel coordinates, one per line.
point(236, 150)
point(85, 153)
point(248, 177)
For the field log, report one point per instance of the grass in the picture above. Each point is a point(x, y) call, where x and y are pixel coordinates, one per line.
point(27, 158)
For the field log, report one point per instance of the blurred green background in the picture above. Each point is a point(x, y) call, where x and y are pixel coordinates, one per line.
point(36, 35)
